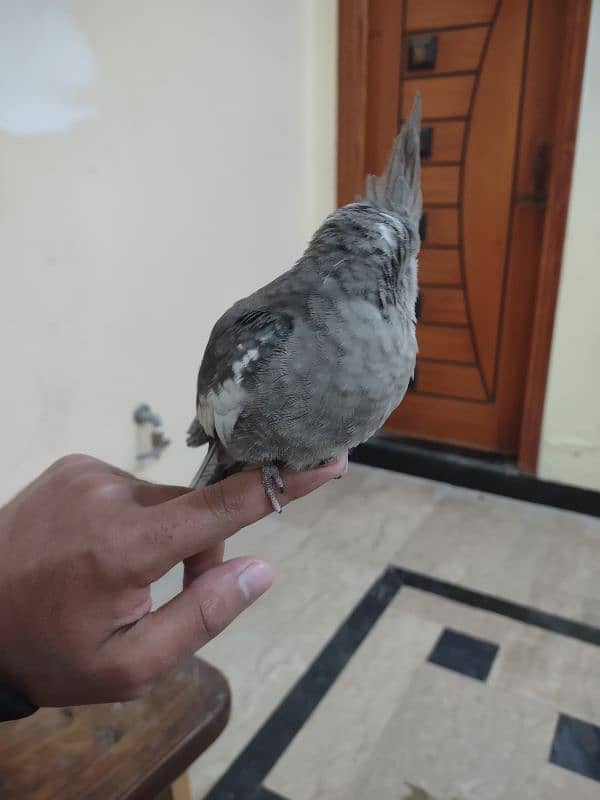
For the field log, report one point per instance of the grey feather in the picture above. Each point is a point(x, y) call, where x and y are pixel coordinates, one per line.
point(399, 188)
point(313, 363)
point(206, 469)
point(196, 435)
point(215, 467)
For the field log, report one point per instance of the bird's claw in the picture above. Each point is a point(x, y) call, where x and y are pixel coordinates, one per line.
point(270, 476)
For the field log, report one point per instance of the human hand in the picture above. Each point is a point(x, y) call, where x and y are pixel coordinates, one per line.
point(79, 548)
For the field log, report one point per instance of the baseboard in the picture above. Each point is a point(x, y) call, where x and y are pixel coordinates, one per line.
point(473, 471)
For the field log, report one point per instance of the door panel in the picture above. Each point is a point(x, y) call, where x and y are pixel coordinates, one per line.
point(446, 141)
point(449, 380)
point(440, 184)
point(440, 227)
point(446, 13)
point(447, 97)
point(440, 266)
point(446, 343)
point(486, 70)
point(488, 177)
point(457, 50)
point(443, 306)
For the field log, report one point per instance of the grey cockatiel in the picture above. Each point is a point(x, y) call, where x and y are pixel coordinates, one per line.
point(313, 363)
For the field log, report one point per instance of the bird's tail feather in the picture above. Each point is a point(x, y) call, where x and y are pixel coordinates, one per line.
point(215, 467)
point(399, 188)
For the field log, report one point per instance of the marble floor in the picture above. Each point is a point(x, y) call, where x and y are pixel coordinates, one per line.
point(421, 642)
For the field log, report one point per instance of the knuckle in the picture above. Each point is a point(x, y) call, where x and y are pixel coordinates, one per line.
point(86, 474)
point(105, 489)
point(211, 618)
point(109, 566)
point(71, 462)
point(95, 560)
point(83, 482)
point(132, 571)
point(108, 551)
point(98, 489)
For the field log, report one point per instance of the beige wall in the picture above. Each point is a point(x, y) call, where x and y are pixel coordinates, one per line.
point(570, 450)
point(157, 161)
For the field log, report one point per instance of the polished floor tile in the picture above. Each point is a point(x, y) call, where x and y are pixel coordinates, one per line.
point(392, 724)
point(338, 739)
point(538, 556)
point(469, 729)
point(556, 783)
point(557, 670)
point(457, 738)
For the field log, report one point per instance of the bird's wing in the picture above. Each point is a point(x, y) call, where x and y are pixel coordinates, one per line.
point(241, 344)
point(196, 435)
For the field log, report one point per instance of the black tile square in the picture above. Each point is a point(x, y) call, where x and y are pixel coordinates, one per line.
point(576, 747)
point(463, 653)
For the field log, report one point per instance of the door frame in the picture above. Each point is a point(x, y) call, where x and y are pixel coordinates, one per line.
point(354, 59)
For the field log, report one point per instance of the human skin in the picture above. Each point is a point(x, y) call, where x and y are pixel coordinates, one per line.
point(80, 547)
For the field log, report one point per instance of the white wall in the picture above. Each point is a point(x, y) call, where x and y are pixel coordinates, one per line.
point(570, 449)
point(157, 161)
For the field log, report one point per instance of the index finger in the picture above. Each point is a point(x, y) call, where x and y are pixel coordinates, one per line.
point(198, 520)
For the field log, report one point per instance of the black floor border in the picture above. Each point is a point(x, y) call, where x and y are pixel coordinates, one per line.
point(267, 794)
point(505, 608)
point(243, 779)
point(473, 471)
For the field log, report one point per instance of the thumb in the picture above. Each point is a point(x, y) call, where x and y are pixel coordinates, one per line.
point(199, 613)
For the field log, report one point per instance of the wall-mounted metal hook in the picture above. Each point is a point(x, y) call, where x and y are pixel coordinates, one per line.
point(142, 416)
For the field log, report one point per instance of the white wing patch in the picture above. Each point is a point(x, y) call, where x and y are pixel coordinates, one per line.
point(239, 366)
point(218, 410)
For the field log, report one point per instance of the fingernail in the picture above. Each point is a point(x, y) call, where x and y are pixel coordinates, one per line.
point(255, 580)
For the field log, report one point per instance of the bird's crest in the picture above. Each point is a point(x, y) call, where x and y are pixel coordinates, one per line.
point(398, 189)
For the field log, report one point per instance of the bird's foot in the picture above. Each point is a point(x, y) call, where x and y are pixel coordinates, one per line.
point(270, 476)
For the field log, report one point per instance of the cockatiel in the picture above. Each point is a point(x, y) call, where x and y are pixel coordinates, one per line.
point(313, 363)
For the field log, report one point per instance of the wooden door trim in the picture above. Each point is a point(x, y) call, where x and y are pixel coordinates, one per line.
point(577, 15)
point(353, 31)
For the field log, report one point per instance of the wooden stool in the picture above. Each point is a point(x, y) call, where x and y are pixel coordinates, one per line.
point(118, 751)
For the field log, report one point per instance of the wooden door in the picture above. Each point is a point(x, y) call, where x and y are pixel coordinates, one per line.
point(488, 72)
